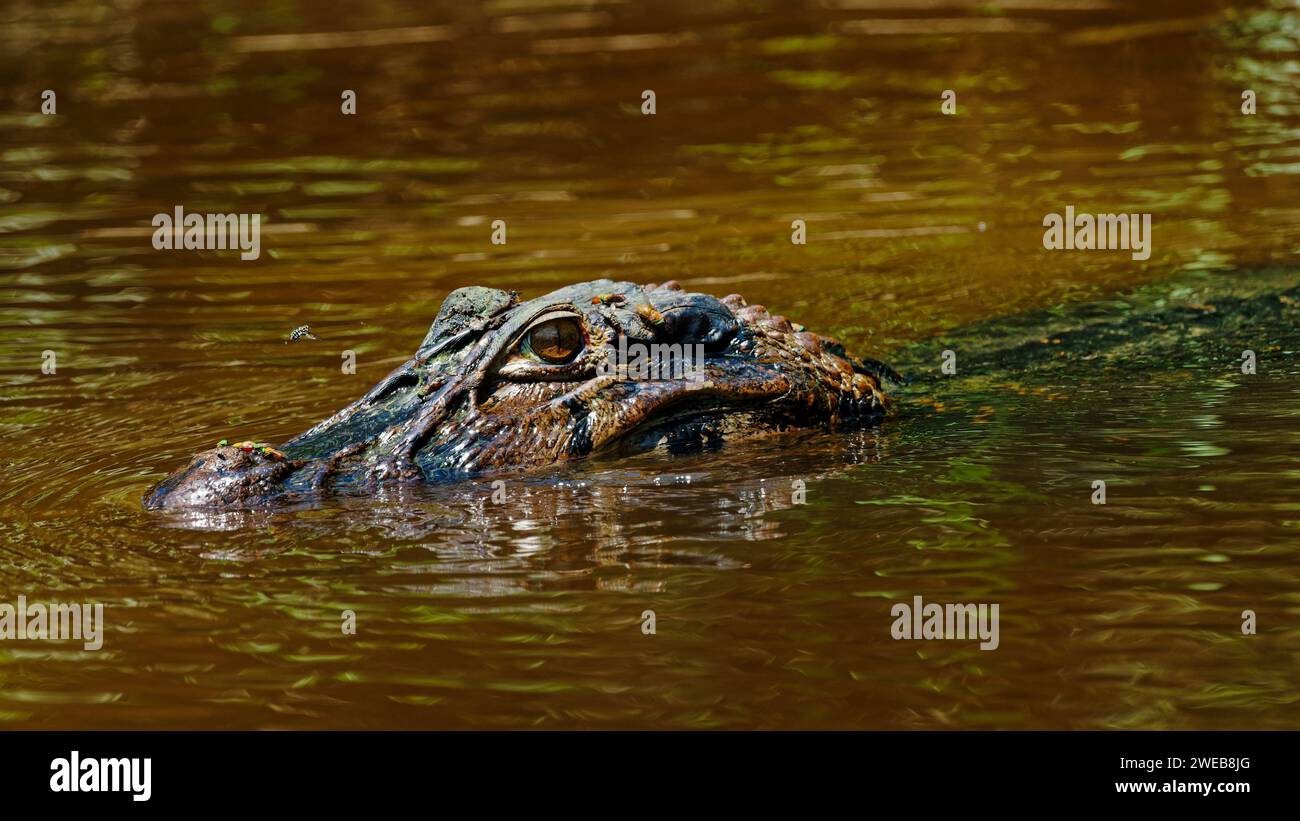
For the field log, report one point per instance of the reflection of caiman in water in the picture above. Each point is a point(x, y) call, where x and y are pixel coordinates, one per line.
point(499, 384)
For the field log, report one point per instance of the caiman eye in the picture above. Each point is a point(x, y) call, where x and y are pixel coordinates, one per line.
point(555, 341)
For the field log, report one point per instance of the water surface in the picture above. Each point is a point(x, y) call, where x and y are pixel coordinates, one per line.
point(924, 235)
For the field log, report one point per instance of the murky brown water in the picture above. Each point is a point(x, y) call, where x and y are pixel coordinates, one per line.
point(768, 614)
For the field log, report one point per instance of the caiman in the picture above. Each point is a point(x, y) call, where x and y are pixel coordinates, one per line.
point(500, 384)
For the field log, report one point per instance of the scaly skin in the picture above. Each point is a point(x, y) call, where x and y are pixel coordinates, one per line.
point(478, 396)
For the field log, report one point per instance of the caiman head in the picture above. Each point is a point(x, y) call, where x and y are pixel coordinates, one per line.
point(599, 367)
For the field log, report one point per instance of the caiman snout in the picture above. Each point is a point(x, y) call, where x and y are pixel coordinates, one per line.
point(226, 476)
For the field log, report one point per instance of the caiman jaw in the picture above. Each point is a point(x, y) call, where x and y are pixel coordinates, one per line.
point(502, 385)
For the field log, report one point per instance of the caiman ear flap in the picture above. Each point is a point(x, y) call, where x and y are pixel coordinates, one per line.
point(462, 308)
point(693, 318)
